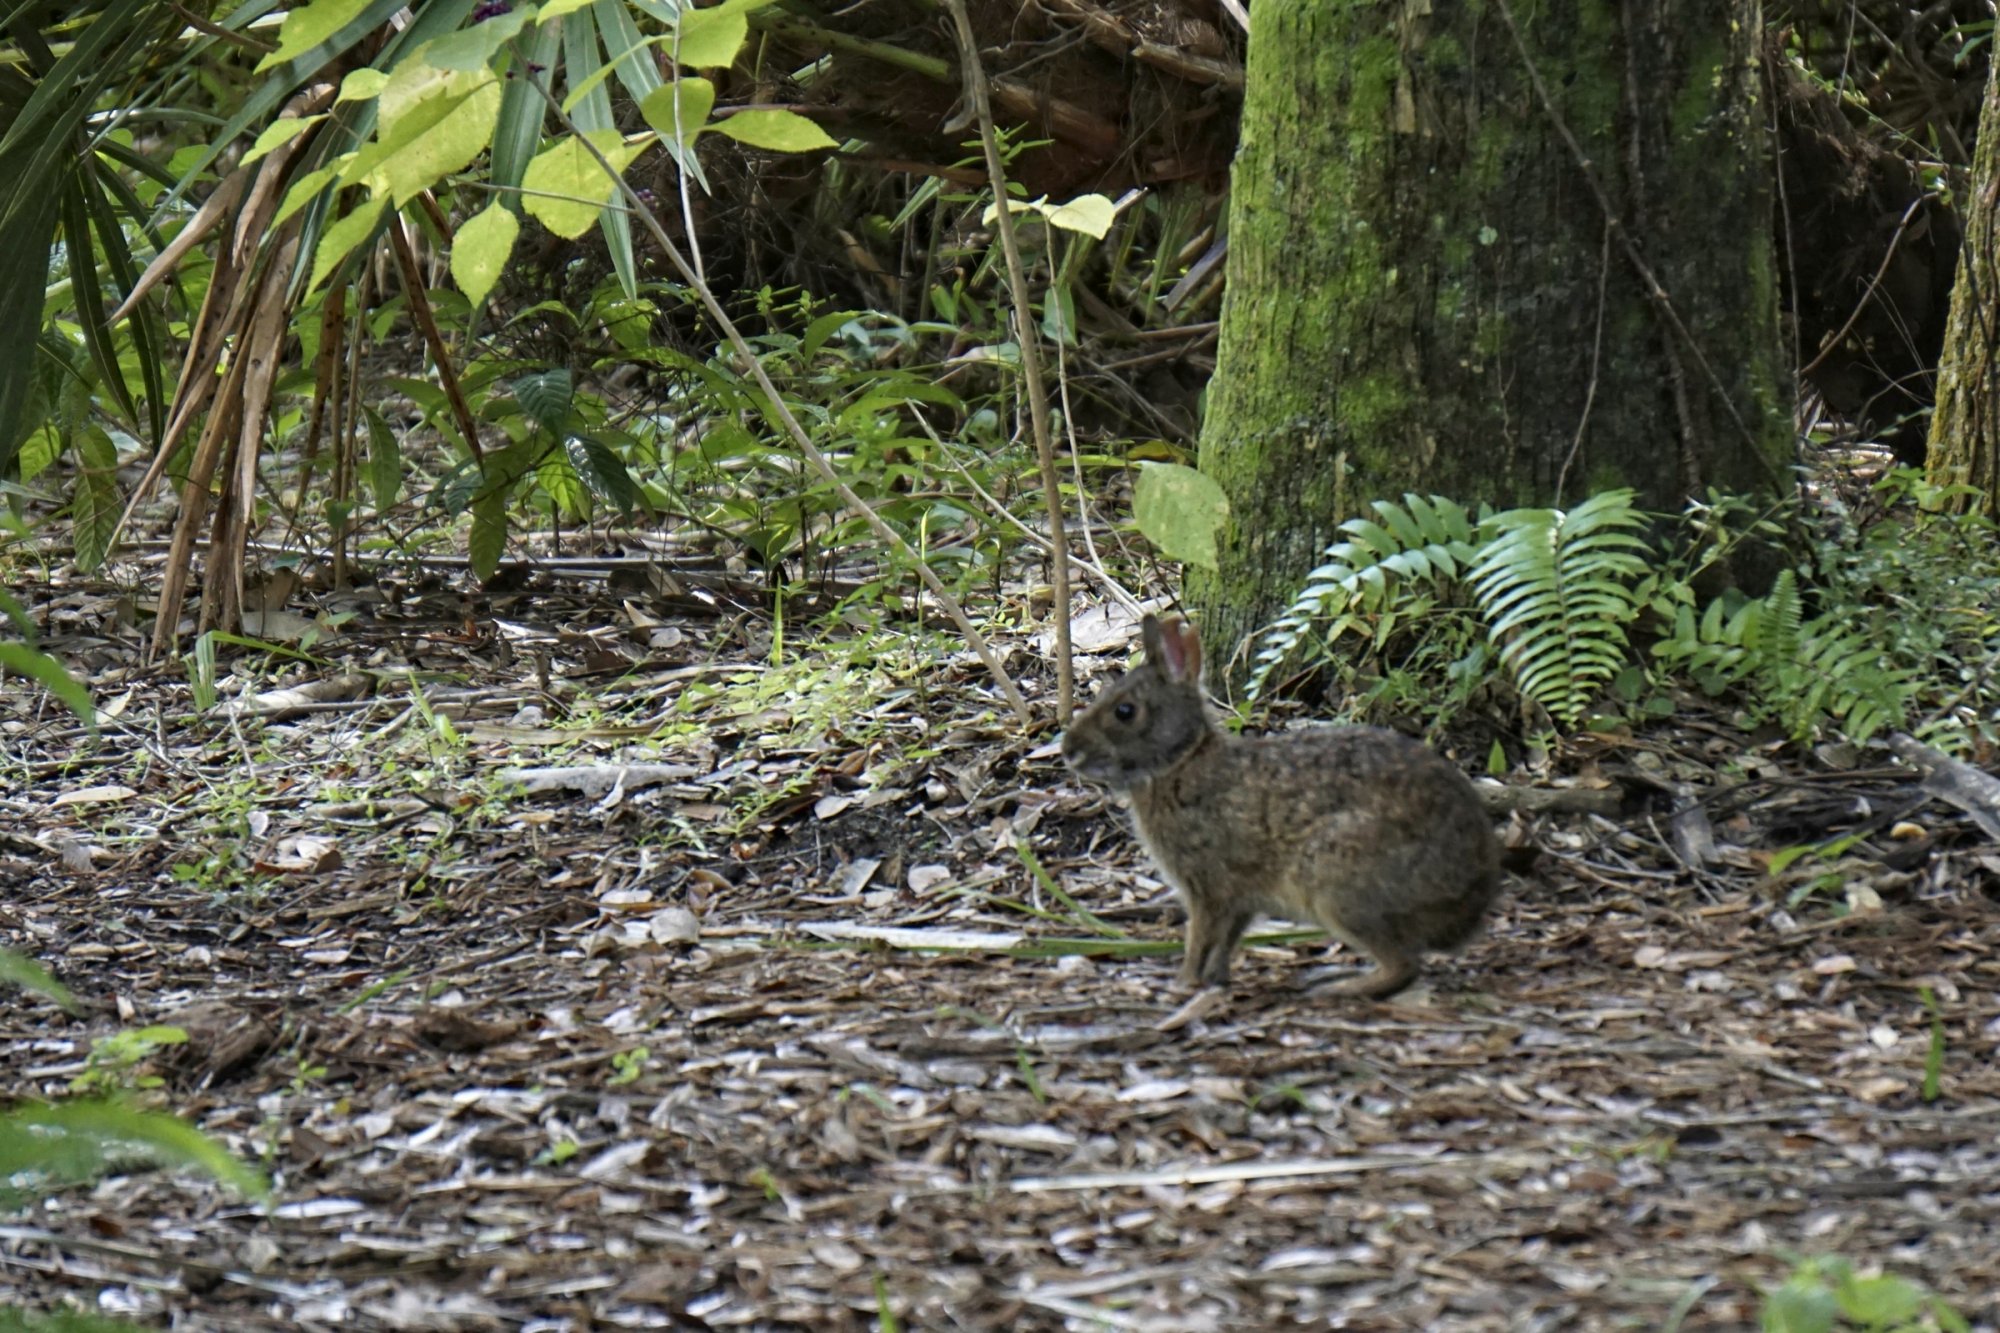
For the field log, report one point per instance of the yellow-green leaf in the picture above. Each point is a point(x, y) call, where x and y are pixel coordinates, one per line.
point(308, 26)
point(363, 85)
point(565, 188)
point(1091, 214)
point(564, 488)
point(340, 238)
point(278, 134)
point(1179, 510)
point(697, 99)
point(480, 250)
point(433, 122)
point(474, 47)
point(711, 38)
point(779, 131)
point(307, 187)
point(555, 9)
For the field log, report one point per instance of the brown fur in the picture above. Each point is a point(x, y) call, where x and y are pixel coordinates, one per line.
point(1357, 829)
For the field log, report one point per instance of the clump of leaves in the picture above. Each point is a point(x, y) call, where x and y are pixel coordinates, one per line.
point(1826, 1294)
point(48, 1147)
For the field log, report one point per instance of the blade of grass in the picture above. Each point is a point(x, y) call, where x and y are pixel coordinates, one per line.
point(1083, 915)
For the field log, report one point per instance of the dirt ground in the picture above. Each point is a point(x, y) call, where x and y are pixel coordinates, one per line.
point(784, 1033)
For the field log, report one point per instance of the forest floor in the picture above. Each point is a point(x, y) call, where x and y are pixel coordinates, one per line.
point(782, 1031)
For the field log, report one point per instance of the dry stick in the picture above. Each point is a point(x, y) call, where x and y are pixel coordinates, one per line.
point(347, 416)
point(1661, 302)
point(420, 315)
point(1092, 559)
point(1596, 360)
point(779, 408)
point(1031, 359)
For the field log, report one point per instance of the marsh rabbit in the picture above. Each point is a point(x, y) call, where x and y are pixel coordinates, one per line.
point(1360, 830)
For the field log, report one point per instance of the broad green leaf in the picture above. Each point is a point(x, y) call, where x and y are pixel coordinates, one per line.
point(1179, 510)
point(711, 38)
point(480, 250)
point(38, 451)
point(602, 471)
point(779, 131)
point(823, 328)
point(565, 188)
point(94, 512)
point(488, 541)
point(555, 9)
point(1800, 1306)
point(546, 397)
point(697, 99)
point(94, 506)
point(1887, 1301)
point(39, 666)
point(308, 26)
point(278, 135)
point(29, 974)
point(363, 85)
point(385, 462)
point(474, 47)
point(340, 239)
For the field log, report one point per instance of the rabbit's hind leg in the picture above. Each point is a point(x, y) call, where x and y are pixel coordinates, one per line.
point(1393, 972)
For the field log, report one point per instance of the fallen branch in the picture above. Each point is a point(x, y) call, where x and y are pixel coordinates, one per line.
point(1953, 781)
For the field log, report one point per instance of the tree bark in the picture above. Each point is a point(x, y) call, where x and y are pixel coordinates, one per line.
point(1440, 249)
point(1965, 428)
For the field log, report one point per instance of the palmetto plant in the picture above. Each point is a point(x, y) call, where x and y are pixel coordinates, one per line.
point(354, 127)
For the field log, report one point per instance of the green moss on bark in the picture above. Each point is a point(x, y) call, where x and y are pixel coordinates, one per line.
point(1416, 268)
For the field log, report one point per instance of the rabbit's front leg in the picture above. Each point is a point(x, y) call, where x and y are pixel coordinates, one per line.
point(1212, 931)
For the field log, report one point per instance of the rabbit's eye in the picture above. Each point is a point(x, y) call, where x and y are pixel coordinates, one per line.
point(1125, 711)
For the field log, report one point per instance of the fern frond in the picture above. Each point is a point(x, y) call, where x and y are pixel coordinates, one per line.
point(1779, 622)
point(1556, 591)
point(1846, 677)
point(1421, 542)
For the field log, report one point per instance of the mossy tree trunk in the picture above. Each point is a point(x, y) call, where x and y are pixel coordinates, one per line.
point(1965, 427)
point(1432, 289)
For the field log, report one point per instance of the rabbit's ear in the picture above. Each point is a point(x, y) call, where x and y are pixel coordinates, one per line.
point(1187, 661)
point(1179, 651)
point(1149, 635)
